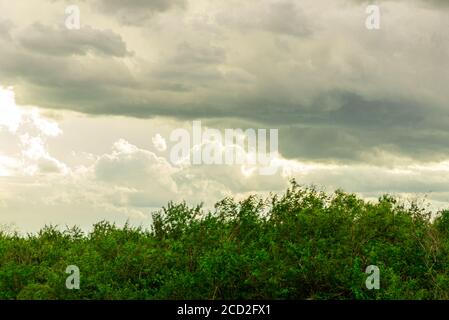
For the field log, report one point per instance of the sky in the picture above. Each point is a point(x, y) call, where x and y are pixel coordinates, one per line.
point(86, 114)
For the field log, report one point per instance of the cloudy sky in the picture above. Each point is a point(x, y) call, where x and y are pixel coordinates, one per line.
point(86, 115)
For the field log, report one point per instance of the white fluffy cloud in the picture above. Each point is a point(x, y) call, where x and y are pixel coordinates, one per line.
point(31, 131)
point(11, 115)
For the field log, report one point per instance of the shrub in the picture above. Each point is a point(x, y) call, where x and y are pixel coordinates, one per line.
point(305, 244)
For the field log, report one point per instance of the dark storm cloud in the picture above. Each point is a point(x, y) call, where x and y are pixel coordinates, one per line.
point(359, 126)
point(335, 94)
point(52, 74)
point(348, 132)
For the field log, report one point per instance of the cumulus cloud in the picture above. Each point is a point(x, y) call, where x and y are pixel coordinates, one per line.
point(136, 169)
point(31, 131)
point(36, 158)
point(11, 114)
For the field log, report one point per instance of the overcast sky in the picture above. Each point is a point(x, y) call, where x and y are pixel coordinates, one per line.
point(86, 115)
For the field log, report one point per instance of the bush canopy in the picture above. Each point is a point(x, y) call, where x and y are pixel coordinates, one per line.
point(304, 244)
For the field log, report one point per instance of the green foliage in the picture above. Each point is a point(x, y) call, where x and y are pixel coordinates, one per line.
point(305, 244)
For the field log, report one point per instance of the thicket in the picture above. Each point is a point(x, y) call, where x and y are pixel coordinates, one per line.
point(305, 244)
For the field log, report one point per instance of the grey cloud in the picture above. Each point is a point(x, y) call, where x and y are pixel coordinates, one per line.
point(5, 29)
point(60, 41)
point(377, 180)
point(285, 17)
point(350, 132)
point(187, 53)
point(282, 17)
point(132, 12)
point(136, 12)
point(338, 95)
point(135, 170)
point(192, 66)
point(434, 3)
point(358, 127)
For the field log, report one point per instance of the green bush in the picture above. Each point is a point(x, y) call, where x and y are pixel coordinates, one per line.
point(305, 244)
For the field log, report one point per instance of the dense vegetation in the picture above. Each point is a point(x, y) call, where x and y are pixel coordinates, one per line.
point(305, 244)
